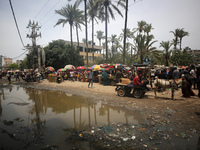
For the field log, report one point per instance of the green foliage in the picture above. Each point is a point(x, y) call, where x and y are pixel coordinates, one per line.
point(166, 46)
point(58, 55)
point(181, 58)
point(13, 66)
point(30, 61)
point(23, 64)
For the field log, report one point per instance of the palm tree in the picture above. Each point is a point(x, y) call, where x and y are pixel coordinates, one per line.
point(86, 36)
point(69, 13)
point(143, 46)
point(113, 39)
point(83, 40)
point(175, 41)
point(99, 36)
point(141, 27)
point(78, 21)
point(129, 34)
point(92, 13)
point(181, 34)
point(106, 6)
point(166, 46)
point(148, 28)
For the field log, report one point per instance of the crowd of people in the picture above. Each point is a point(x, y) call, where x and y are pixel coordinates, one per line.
point(138, 76)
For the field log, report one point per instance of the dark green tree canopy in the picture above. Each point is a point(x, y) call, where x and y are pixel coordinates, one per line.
point(181, 58)
point(13, 66)
point(58, 55)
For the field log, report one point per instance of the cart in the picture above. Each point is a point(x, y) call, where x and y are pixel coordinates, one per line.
point(128, 89)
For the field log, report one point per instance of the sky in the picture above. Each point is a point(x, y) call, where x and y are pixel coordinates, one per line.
point(164, 15)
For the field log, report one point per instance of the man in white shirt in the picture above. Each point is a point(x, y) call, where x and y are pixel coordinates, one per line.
point(193, 76)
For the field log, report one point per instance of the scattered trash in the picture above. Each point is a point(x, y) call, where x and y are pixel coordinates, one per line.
point(133, 137)
point(145, 145)
point(8, 123)
point(125, 139)
point(68, 94)
point(19, 119)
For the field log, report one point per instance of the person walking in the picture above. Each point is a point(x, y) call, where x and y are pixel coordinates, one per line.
point(9, 77)
point(104, 77)
point(90, 77)
point(17, 76)
point(193, 76)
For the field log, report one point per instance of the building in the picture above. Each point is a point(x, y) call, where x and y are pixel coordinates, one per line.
point(7, 62)
point(83, 53)
point(195, 54)
point(18, 62)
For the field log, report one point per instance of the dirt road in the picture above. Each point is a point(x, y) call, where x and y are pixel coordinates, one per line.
point(168, 124)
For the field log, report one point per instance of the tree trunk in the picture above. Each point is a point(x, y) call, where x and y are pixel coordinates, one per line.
point(125, 27)
point(106, 9)
point(176, 41)
point(100, 42)
point(71, 44)
point(180, 43)
point(77, 36)
point(141, 58)
point(112, 49)
point(93, 39)
point(86, 36)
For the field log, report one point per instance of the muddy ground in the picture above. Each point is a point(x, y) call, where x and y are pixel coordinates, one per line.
point(165, 124)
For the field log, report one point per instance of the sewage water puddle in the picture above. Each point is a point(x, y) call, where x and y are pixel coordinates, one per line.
point(34, 119)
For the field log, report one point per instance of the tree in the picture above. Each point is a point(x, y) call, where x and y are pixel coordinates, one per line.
point(23, 64)
point(175, 33)
point(83, 40)
point(113, 39)
point(141, 27)
point(129, 34)
point(70, 14)
point(144, 42)
point(13, 66)
point(107, 6)
point(92, 13)
point(181, 58)
point(78, 21)
point(143, 46)
point(148, 28)
point(181, 34)
point(166, 46)
point(99, 36)
point(86, 32)
point(58, 55)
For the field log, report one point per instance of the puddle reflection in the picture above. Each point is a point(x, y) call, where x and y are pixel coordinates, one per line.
point(46, 113)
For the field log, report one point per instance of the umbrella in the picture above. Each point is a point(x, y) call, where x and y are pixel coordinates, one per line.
point(107, 69)
point(50, 68)
point(101, 65)
point(16, 70)
point(61, 69)
point(104, 65)
point(69, 67)
point(80, 67)
point(127, 68)
point(97, 67)
point(92, 68)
